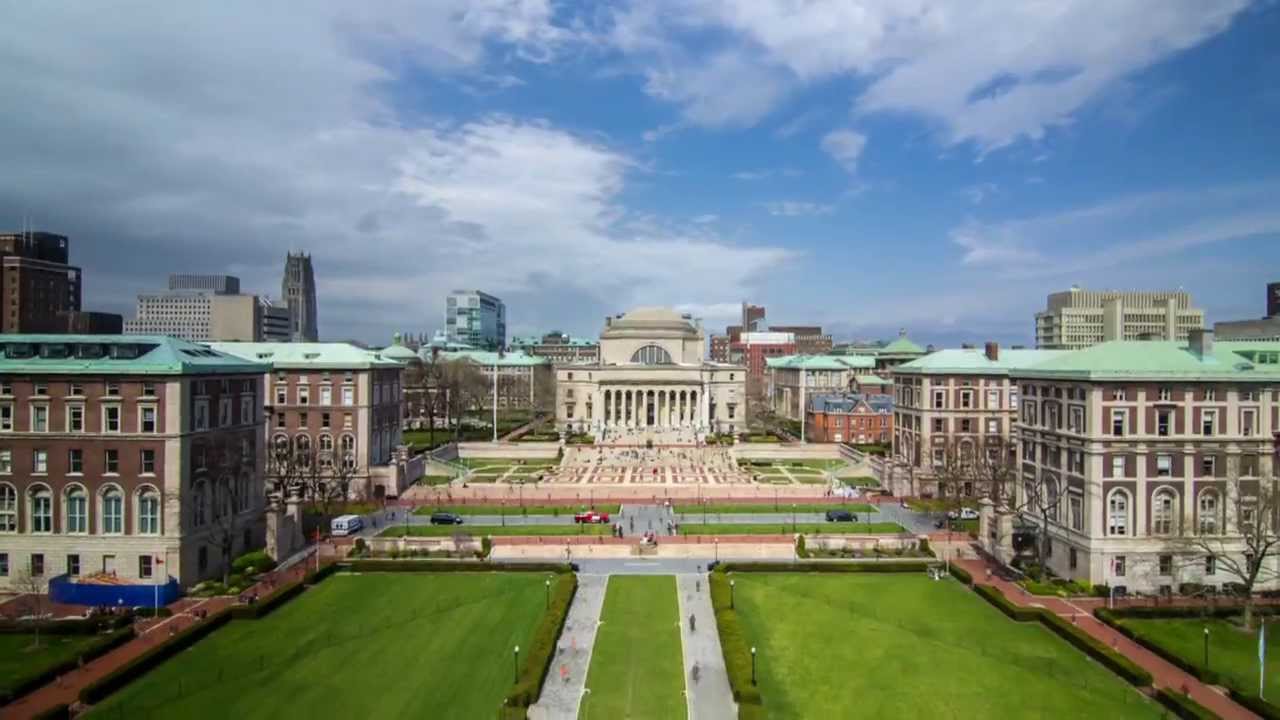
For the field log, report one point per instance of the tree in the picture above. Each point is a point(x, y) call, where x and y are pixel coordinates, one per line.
point(1043, 499)
point(465, 388)
point(230, 467)
point(1245, 543)
point(35, 599)
point(315, 475)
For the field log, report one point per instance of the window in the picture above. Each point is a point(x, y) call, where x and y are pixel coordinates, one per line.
point(1246, 518)
point(1117, 466)
point(993, 399)
point(6, 388)
point(348, 450)
point(966, 425)
point(6, 462)
point(280, 421)
point(304, 394)
point(1071, 559)
point(6, 416)
point(1248, 422)
point(1162, 513)
point(348, 395)
point(246, 410)
point(1118, 394)
point(73, 564)
point(111, 418)
point(148, 389)
point(147, 420)
point(40, 388)
point(201, 417)
point(939, 425)
point(1207, 421)
point(651, 355)
point(111, 460)
point(1166, 564)
point(1208, 465)
point(202, 559)
point(1118, 566)
point(324, 420)
point(939, 399)
point(302, 419)
point(282, 394)
point(147, 461)
point(75, 461)
point(77, 510)
point(149, 512)
point(1163, 418)
point(37, 563)
point(1166, 394)
point(41, 510)
point(1117, 422)
point(40, 418)
point(113, 388)
point(4, 564)
point(145, 566)
point(75, 418)
point(966, 399)
point(346, 421)
point(326, 394)
point(1164, 465)
point(1118, 513)
point(8, 509)
point(1210, 565)
point(1075, 505)
point(112, 511)
point(1075, 419)
point(200, 505)
point(1211, 394)
point(993, 426)
point(40, 462)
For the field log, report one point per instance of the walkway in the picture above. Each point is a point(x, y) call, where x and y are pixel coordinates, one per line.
point(1164, 673)
point(562, 691)
point(710, 697)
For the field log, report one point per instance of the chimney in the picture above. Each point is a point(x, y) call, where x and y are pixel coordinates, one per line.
point(1201, 342)
point(993, 351)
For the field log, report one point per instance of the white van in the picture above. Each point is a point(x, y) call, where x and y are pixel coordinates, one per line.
point(345, 525)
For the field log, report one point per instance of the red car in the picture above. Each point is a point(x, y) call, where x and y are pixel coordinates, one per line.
point(591, 516)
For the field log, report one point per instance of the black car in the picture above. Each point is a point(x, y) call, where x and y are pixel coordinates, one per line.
point(840, 516)
point(445, 518)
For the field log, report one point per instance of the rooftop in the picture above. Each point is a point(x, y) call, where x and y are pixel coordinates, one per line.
point(974, 361)
point(486, 357)
point(306, 355)
point(851, 402)
point(821, 362)
point(116, 354)
point(1164, 360)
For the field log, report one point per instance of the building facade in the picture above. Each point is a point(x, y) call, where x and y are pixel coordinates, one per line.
point(36, 282)
point(298, 293)
point(651, 375)
point(1264, 329)
point(753, 350)
point(1079, 318)
point(523, 381)
point(476, 319)
point(809, 339)
point(850, 418)
point(1126, 446)
point(129, 457)
point(203, 308)
point(792, 379)
point(334, 402)
point(559, 348)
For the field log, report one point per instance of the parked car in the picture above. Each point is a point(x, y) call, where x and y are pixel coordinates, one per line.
point(963, 514)
point(445, 518)
point(592, 517)
point(840, 516)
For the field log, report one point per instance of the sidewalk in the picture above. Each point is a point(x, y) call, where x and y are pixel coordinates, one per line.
point(710, 698)
point(561, 694)
point(1163, 673)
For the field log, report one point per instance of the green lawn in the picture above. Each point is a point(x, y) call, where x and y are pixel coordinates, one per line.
point(714, 508)
point(483, 478)
point(860, 481)
point(516, 509)
point(354, 646)
point(482, 530)
point(636, 666)
point(904, 646)
point(434, 480)
point(1233, 653)
point(505, 463)
point(856, 528)
point(20, 658)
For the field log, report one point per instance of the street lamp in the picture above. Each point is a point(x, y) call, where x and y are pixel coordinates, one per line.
point(753, 664)
point(1206, 648)
point(732, 583)
point(717, 544)
point(793, 517)
point(548, 593)
point(515, 665)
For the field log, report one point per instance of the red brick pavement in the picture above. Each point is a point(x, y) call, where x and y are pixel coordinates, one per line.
point(1164, 673)
point(150, 633)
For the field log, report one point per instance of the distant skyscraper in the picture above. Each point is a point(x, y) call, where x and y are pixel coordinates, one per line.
point(475, 318)
point(299, 291)
point(40, 289)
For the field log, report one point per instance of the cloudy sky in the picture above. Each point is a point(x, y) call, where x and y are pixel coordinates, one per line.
point(864, 164)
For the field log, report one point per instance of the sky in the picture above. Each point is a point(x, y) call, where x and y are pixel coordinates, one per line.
point(866, 165)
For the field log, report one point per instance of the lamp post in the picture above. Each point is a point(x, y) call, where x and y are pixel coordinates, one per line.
point(793, 517)
point(1206, 647)
point(716, 541)
point(548, 585)
point(732, 583)
point(753, 664)
point(515, 665)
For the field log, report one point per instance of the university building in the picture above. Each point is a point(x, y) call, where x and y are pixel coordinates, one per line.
point(126, 458)
point(791, 379)
point(854, 418)
point(1079, 318)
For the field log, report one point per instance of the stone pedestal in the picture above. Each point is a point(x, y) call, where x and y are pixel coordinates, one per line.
point(995, 530)
point(284, 529)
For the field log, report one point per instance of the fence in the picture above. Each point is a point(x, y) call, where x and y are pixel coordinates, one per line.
point(63, 590)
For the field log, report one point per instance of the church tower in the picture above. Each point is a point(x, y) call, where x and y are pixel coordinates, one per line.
point(299, 290)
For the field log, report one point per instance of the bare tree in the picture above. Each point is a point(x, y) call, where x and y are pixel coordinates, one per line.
point(35, 598)
point(1245, 543)
point(466, 388)
point(230, 467)
point(319, 476)
point(993, 472)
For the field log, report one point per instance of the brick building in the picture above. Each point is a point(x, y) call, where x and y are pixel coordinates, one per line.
point(791, 378)
point(850, 418)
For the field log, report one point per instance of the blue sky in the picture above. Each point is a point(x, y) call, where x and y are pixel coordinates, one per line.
point(869, 166)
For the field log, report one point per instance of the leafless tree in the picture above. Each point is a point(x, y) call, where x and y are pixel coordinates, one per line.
point(1245, 543)
point(319, 476)
point(1043, 499)
point(35, 598)
point(229, 472)
point(466, 388)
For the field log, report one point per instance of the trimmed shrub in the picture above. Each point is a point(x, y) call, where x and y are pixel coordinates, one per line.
point(450, 566)
point(961, 574)
point(542, 648)
point(140, 665)
point(831, 567)
point(315, 576)
point(61, 711)
point(1255, 704)
point(997, 598)
point(1095, 648)
point(264, 606)
point(79, 626)
point(1183, 706)
point(736, 649)
point(36, 680)
point(801, 552)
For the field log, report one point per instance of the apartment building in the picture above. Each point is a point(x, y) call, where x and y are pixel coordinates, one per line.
point(200, 308)
point(126, 459)
point(791, 378)
point(956, 403)
point(335, 402)
point(850, 418)
point(1128, 445)
point(560, 348)
point(476, 319)
point(1079, 318)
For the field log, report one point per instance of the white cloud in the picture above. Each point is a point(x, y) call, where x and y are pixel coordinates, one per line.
point(797, 208)
point(988, 72)
point(845, 147)
point(706, 218)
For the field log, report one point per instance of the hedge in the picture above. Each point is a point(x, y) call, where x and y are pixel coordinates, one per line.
point(1169, 612)
point(1264, 708)
point(78, 626)
point(315, 576)
point(961, 574)
point(36, 680)
point(264, 606)
point(61, 711)
point(1183, 706)
point(450, 566)
point(736, 649)
point(137, 667)
point(1098, 650)
point(890, 566)
point(541, 650)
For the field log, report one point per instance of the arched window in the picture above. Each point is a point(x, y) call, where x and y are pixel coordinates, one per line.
point(651, 355)
point(1163, 505)
point(348, 450)
point(112, 510)
point(41, 509)
point(326, 443)
point(199, 504)
point(76, 505)
point(1051, 498)
point(8, 508)
point(302, 445)
point(1208, 512)
point(1118, 513)
point(148, 511)
point(243, 501)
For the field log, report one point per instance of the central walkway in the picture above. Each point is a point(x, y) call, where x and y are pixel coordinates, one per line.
point(562, 692)
point(710, 698)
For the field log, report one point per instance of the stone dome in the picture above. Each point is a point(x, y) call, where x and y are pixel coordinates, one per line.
point(648, 320)
point(398, 352)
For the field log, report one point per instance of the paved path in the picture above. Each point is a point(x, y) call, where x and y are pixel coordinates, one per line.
point(710, 697)
point(562, 693)
point(1165, 674)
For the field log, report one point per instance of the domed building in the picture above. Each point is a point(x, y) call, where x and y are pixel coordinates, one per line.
point(651, 374)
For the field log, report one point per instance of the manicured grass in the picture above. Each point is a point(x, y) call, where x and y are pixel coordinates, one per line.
point(782, 507)
point(922, 649)
point(20, 658)
point(636, 667)
point(482, 530)
point(941, 504)
point(434, 480)
point(860, 481)
point(373, 645)
point(1233, 653)
point(505, 463)
point(844, 528)
point(516, 509)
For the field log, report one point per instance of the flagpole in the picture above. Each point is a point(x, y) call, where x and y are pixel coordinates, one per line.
point(1262, 659)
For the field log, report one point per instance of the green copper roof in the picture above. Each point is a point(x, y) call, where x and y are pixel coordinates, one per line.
point(288, 355)
point(821, 362)
point(901, 346)
point(485, 357)
point(116, 354)
point(1157, 360)
point(871, 380)
point(973, 361)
